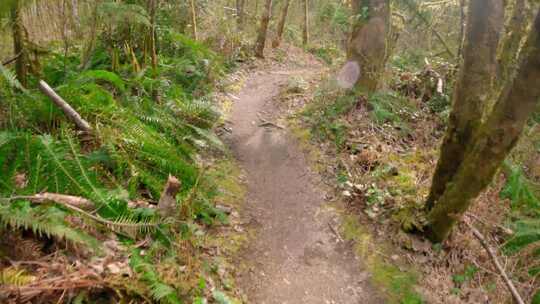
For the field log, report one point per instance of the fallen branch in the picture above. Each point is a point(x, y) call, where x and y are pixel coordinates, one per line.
point(12, 59)
point(77, 201)
point(66, 108)
point(495, 260)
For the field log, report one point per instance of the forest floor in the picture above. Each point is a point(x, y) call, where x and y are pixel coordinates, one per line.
point(297, 254)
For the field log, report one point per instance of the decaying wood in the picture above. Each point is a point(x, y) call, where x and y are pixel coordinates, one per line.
point(167, 201)
point(66, 108)
point(63, 199)
point(493, 256)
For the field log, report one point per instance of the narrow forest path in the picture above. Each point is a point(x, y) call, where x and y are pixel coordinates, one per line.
point(295, 256)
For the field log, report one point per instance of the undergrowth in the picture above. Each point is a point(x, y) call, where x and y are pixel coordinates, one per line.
point(147, 124)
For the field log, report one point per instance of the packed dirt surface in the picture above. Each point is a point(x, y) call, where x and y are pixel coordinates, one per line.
point(297, 255)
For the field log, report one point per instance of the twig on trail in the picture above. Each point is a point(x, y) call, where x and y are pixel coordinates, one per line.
point(496, 262)
point(335, 232)
point(270, 124)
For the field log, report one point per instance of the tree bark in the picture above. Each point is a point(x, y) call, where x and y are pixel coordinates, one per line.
point(462, 6)
point(281, 26)
point(240, 6)
point(193, 14)
point(515, 33)
point(494, 140)
point(261, 38)
point(368, 44)
point(472, 90)
point(305, 33)
point(21, 63)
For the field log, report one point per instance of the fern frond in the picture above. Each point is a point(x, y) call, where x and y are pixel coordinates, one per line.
point(15, 277)
point(49, 221)
point(11, 79)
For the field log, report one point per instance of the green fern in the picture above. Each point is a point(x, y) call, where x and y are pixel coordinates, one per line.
point(42, 220)
point(160, 291)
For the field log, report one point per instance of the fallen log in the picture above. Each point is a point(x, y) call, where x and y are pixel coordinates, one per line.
point(66, 108)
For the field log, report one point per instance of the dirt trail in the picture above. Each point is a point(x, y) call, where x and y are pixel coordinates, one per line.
point(296, 257)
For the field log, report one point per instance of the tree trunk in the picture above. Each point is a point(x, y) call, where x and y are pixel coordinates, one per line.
point(21, 64)
point(368, 44)
point(261, 38)
point(281, 25)
point(494, 140)
point(305, 34)
point(515, 33)
point(472, 90)
point(240, 6)
point(193, 14)
point(462, 6)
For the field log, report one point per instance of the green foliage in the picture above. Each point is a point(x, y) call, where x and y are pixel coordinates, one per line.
point(160, 291)
point(467, 275)
point(328, 54)
point(42, 220)
point(391, 108)
point(519, 190)
point(325, 115)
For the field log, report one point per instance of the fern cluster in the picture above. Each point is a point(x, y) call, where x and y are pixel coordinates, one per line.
point(148, 123)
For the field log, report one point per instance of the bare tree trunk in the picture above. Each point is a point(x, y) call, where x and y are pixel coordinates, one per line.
point(494, 140)
point(368, 44)
point(305, 33)
point(240, 6)
point(472, 89)
point(21, 63)
point(261, 38)
point(281, 25)
point(193, 14)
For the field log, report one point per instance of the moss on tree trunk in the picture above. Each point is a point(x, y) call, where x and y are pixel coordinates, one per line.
point(485, 20)
point(21, 64)
point(494, 140)
point(368, 45)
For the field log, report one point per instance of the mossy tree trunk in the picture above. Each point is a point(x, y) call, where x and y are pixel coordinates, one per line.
point(305, 32)
point(281, 25)
point(473, 87)
point(21, 63)
point(261, 37)
point(494, 140)
point(368, 43)
point(515, 34)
